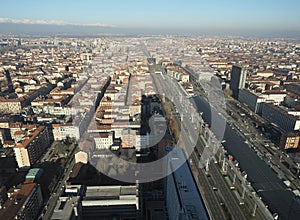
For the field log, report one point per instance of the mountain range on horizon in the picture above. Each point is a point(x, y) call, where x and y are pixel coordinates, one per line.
point(81, 30)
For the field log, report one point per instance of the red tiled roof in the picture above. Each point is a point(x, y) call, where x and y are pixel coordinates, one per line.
point(14, 204)
point(26, 141)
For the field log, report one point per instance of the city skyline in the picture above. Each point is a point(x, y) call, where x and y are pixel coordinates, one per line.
point(150, 109)
point(83, 118)
point(230, 17)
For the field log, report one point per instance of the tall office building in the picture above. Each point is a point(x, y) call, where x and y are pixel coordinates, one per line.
point(19, 42)
point(238, 80)
point(9, 81)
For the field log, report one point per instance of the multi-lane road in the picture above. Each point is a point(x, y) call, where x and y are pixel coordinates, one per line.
point(277, 159)
point(209, 195)
point(188, 140)
point(263, 179)
point(51, 203)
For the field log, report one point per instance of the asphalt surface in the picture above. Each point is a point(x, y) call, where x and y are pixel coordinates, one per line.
point(263, 179)
point(187, 141)
point(214, 208)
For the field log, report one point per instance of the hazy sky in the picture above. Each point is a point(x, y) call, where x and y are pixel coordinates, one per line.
point(278, 15)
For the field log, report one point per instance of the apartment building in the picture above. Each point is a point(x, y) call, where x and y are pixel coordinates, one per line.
point(103, 140)
point(13, 105)
point(32, 147)
point(62, 131)
point(280, 117)
point(25, 203)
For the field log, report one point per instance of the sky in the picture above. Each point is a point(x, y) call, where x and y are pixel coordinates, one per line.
point(264, 15)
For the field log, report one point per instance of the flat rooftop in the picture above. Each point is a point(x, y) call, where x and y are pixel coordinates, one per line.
point(187, 191)
point(64, 208)
point(111, 196)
